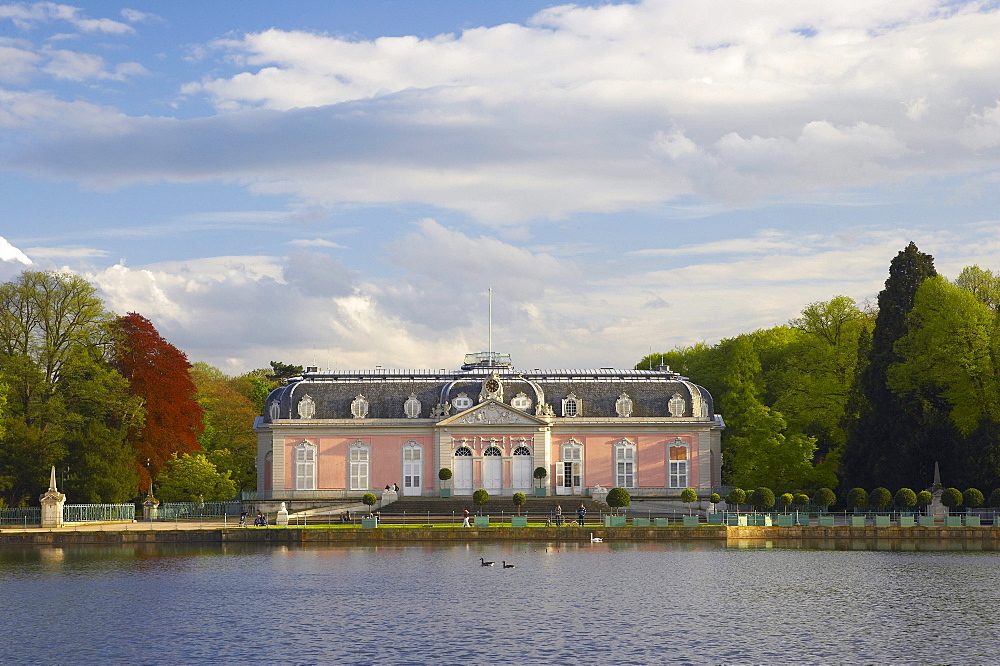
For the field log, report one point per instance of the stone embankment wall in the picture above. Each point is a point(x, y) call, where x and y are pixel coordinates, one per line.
point(134, 535)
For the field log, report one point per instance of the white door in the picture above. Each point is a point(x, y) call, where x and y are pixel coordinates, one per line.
point(492, 469)
point(412, 466)
point(463, 471)
point(569, 478)
point(521, 469)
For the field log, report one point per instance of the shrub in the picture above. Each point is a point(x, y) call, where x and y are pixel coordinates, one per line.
point(951, 497)
point(973, 498)
point(480, 497)
point(369, 500)
point(858, 498)
point(715, 498)
point(736, 497)
point(924, 498)
point(539, 474)
point(786, 499)
point(800, 499)
point(763, 498)
point(617, 498)
point(905, 498)
point(519, 500)
point(688, 495)
point(825, 497)
point(880, 498)
point(444, 474)
point(995, 497)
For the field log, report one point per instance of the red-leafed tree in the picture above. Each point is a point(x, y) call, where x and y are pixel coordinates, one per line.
point(159, 374)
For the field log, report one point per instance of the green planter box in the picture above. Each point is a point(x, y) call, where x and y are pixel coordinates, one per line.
point(691, 521)
point(953, 521)
point(759, 520)
point(859, 521)
point(539, 492)
point(369, 522)
point(826, 521)
point(926, 521)
point(518, 521)
point(446, 492)
point(661, 522)
point(614, 521)
point(715, 519)
point(802, 519)
point(742, 521)
point(481, 521)
point(785, 520)
point(906, 521)
point(640, 522)
point(882, 521)
point(973, 521)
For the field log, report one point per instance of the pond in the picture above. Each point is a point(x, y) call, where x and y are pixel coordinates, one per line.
point(562, 603)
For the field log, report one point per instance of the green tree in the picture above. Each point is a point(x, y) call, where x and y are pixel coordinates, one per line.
point(857, 498)
point(785, 500)
point(369, 500)
point(801, 500)
point(736, 497)
point(519, 499)
point(444, 475)
point(982, 284)
point(190, 477)
point(762, 498)
point(951, 497)
point(539, 474)
point(715, 498)
point(995, 498)
point(825, 498)
point(905, 498)
point(973, 498)
point(226, 439)
point(924, 498)
point(618, 498)
point(884, 429)
point(480, 498)
point(880, 498)
point(688, 495)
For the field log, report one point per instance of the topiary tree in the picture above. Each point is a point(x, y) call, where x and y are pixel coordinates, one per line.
point(995, 497)
point(858, 498)
point(736, 497)
point(924, 498)
point(617, 498)
point(951, 498)
point(539, 474)
point(369, 500)
point(480, 498)
point(973, 498)
point(519, 500)
point(905, 498)
point(763, 498)
point(688, 495)
point(825, 498)
point(786, 499)
point(715, 498)
point(444, 474)
point(800, 500)
point(880, 498)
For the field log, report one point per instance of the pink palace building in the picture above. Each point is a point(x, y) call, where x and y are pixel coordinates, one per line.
point(343, 433)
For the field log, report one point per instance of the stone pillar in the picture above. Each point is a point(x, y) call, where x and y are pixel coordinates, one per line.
point(52, 504)
point(282, 518)
point(150, 507)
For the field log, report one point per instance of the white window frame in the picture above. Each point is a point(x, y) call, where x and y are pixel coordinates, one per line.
point(359, 466)
point(677, 405)
point(625, 458)
point(573, 404)
point(407, 453)
point(461, 402)
point(305, 465)
point(677, 470)
point(521, 401)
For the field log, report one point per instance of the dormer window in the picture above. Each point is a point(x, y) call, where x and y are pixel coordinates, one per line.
point(571, 406)
point(521, 401)
point(411, 408)
point(623, 406)
point(359, 407)
point(461, 401)
point(677, 405)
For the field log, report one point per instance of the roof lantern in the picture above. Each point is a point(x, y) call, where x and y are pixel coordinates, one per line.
point(490, 359)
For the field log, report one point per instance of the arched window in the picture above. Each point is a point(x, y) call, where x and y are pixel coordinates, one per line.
point(522, 451)
point(678, 454)
point(463, 451)
point(625, 464)
point(359, 459)
point(571, 406)
point(493, 451)
point(305, 465)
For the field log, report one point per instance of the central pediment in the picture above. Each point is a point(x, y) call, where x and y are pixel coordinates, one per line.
point(492, 412)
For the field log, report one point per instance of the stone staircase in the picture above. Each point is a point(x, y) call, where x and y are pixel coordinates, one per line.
point(447, 506)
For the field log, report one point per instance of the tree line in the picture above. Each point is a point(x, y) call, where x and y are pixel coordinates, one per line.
point(863, 396)
point(114, 406)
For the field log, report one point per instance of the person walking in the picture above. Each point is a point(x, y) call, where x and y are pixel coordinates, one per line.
point(465, 518)
point(581, 511)
point(558, 515)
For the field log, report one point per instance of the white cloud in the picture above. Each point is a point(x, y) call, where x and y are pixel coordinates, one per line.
point(9, 253)
point(66, 252)
point(316, 242)
point(28, 16)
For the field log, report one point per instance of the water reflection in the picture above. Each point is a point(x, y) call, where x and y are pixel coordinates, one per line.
point(753, 601)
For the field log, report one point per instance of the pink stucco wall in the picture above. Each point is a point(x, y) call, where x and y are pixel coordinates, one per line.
point(385, 463)
point(651, 456)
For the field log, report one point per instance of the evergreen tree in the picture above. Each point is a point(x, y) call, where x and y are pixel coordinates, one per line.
point(887, 427)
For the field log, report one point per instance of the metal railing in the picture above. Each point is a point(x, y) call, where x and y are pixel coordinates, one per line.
point(21, 515)
point(179, 510)
point(84, 513)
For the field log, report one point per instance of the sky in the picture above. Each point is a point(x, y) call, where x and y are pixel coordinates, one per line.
point(339, 184)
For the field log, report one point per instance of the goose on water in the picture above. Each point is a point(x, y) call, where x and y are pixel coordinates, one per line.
point(507, 566)
point(484, 563)
point(594, 539)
